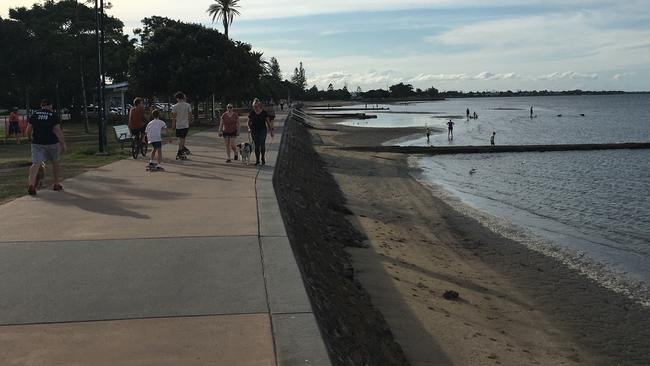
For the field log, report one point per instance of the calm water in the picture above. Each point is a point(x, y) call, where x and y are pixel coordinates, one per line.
point(591, 209)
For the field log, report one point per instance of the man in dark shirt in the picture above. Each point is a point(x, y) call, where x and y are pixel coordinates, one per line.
point(47, 139)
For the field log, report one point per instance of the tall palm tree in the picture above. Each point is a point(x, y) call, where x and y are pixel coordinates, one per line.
point(224, 10)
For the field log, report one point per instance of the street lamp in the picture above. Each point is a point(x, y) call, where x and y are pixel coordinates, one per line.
point(101, 77)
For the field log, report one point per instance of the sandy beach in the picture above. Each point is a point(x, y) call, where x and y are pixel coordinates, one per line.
point(515, 306)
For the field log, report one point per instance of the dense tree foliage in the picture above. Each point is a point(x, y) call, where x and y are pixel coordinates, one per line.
point(197, 60)
point(50, 48)
point(299, 79)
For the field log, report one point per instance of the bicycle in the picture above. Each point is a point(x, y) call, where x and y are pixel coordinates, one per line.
point(139, 145)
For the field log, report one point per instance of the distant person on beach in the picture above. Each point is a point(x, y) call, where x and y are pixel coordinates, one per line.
point(475, 115)
point(154, 136)
point(14, 125)
point(229, 129)
point(531, 111)
point(48, 141)
point(467, 113)
point(181, 119)
point(137, 119)
point(259, 124)
point(450, 130)
point(428, 132)
point(492, 138)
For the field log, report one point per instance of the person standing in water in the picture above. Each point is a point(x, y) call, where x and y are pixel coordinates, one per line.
point(450, 130)
point(531, 111)
point(492, 138)
point(467, 113)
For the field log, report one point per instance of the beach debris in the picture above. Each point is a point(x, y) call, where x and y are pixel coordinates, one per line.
point(450, 295)
point(472, 171)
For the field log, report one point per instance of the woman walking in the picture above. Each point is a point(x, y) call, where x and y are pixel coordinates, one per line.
point(229, 129)
point(259, 124)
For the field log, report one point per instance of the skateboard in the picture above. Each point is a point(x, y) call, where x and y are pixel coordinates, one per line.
point(154, 168)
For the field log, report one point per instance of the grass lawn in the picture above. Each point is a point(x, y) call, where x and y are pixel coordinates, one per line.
point(80, 157)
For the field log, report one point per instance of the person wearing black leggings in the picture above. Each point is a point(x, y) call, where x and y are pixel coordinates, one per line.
point(259, 124)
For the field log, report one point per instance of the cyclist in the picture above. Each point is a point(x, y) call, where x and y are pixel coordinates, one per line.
point(137, 120)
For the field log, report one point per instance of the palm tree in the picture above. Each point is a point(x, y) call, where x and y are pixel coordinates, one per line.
point(224, 10)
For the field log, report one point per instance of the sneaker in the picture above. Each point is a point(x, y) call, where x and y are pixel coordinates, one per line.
point(31, 190)
point(263, 161)
point(57, 187)
point(228, 160)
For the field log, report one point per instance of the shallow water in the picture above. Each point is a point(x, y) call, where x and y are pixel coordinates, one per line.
point(592, 205)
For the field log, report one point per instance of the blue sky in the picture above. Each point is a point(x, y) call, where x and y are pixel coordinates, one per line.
point(452, 45)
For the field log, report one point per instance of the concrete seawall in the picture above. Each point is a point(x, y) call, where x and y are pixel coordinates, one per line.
point(446, 150)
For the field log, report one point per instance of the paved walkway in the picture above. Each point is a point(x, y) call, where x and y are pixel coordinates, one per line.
point(190, 266)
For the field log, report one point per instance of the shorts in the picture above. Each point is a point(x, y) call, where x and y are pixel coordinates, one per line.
point(157, 145)
point(136, 131)
point(230, 134)
point(182, 132)
point(14, 128)
point(42, 153)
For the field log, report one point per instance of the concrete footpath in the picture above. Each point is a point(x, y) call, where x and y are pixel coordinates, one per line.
point(191, 266)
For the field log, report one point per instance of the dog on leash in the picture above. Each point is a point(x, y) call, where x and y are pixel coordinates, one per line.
point(40, 175)
point(245, 149)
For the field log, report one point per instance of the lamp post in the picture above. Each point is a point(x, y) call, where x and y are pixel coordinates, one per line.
point(101, 77)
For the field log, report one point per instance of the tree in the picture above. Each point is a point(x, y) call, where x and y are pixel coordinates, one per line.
point(55, 50)
point(274, 69)
point(197, 60)
point(432, 92)
point(299, 79)
point(224, 10)
point(401, 90)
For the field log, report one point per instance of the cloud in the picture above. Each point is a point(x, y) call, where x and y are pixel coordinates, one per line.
point(285, 41)
point(567, 75)
point(623, 75)
point(373, 78)
point(485, 75)
point(331, 32)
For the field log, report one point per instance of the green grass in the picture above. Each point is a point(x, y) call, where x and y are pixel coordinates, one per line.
point(80, 157)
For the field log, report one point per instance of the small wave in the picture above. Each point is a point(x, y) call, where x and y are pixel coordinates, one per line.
point(579, 261)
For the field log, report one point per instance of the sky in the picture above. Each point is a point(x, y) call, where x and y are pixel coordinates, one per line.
point(464, 45)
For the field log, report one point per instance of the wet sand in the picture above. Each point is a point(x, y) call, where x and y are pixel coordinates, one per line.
point(516, 306)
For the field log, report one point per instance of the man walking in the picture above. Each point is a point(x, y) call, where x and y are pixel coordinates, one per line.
point(181, 119)
point(47, 142)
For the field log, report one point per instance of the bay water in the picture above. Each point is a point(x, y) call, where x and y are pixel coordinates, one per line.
point(590, 209)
